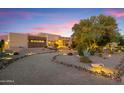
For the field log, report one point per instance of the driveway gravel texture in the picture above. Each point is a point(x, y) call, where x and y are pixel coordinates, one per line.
point(41, 70)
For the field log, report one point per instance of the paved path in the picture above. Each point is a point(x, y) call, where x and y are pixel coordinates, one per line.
point(38, 69)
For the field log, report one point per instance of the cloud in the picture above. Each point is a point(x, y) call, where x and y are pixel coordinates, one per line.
point(24, 14)
point(60, 29)
point(3, 22)
point(3, 28)
point(28, 15)
point(115, 12)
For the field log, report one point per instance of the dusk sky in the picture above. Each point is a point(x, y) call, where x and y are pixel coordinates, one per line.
point(49, 20)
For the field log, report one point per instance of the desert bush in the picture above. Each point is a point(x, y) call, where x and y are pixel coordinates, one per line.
point(85, 59)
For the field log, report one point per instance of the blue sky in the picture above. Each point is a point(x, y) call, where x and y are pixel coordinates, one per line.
point(51, 20)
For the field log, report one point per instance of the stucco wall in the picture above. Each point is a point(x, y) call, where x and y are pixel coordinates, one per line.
point(17, 40)
point(51, 37)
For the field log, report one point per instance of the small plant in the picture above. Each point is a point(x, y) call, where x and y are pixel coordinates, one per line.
point(100, 55)
point(85, 59)
point(45, 46)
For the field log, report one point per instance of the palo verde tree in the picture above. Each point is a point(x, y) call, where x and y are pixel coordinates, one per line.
point(94, 31)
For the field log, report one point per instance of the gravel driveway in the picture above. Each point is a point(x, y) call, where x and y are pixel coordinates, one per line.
point(38, 69)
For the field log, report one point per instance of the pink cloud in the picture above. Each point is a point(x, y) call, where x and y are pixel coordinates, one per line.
point(59, 29)
point(115, 13)
point(62, 25)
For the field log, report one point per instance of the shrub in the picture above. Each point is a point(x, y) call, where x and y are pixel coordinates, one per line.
point(16, 53)
point(80, 50)
point(70, 54)
point(100, 55)
point(56, 45)
point(85, 59)
point(92, 52)
point(45, 46)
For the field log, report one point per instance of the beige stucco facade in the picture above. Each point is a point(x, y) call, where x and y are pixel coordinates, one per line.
point(53, 38)
point(17, 40)
point(50, 37)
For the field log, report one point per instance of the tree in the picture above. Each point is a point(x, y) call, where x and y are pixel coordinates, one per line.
point(103, 40)
point(2, 42)
point(56, 45)
point(91, 32)
point(121, 41)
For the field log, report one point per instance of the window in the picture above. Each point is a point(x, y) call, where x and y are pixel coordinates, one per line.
point(37, 41)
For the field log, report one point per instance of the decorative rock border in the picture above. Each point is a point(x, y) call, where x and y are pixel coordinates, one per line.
point(54, 58)
point(5, 63)
point(113, 77)
point(120, 68)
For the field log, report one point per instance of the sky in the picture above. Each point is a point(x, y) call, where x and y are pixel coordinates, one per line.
point(51, 20)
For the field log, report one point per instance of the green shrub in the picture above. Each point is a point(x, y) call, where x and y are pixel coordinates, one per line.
point(45, 46)
point(122, 50)
point(80, 50)
point(85, 59)
point(56, 45)
point(92, 52)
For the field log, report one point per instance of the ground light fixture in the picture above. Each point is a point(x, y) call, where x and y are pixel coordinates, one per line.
point(64, 54)
point(77, 55)
point(7, 58)
point(30, 53)
point(100, 68)
point(11, 54)
point(109, 55)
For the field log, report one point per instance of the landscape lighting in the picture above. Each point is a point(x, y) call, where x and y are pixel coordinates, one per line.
point(7, 58)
